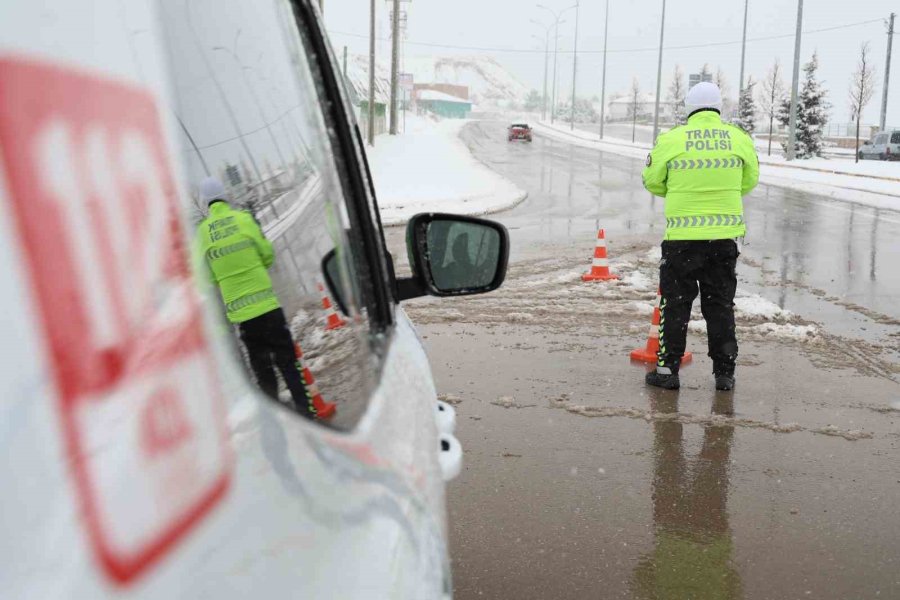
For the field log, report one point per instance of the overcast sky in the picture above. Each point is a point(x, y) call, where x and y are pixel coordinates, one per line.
point(634, 25)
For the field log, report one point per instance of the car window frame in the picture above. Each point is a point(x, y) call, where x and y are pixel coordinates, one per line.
point(350, 163)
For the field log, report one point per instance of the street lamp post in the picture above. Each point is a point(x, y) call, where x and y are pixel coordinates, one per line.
point(574, 70)
point(662, 30)
point(557, 16)
point(546, 65)
point(795, 84)
point(743, 52)
point(603, 85)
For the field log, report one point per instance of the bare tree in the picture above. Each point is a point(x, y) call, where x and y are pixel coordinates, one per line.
point(862, 87)
point(676, 96)
point(771, 96)
point(634, 105)
point(722, 82)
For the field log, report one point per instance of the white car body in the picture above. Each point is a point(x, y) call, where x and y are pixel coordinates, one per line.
point(884, 146)
point(261, 503)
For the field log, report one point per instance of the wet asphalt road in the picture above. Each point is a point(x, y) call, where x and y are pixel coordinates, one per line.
point(579, 482)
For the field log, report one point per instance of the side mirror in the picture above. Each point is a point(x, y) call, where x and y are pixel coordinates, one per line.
point(453, 255)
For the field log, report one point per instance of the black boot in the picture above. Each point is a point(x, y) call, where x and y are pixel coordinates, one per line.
point(725, 382)
point(663, 377)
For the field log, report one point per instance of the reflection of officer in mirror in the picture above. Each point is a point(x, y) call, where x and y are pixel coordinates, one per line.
point(458, 273)
point(238, 256)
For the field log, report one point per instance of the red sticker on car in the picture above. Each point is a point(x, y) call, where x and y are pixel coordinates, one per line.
point(96, 212)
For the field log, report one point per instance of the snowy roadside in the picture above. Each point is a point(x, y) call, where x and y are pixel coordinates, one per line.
point(430, 169)
point(869, 183)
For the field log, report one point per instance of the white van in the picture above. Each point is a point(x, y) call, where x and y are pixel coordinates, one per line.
point(884, 146)
point(141, 461)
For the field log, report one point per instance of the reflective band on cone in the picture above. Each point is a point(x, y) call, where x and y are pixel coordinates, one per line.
point(600, 263)
point(333, 321)
point(649, 354)
point(324, 410)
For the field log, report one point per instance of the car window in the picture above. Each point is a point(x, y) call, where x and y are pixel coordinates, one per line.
point(895, 137)
point(253, 135)
point(880, 138)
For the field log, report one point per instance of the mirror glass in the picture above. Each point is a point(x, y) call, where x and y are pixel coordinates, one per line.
point(463, 255)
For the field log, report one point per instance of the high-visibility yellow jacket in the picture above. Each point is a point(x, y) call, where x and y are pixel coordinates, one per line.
point(238, 256)
point(702, 169)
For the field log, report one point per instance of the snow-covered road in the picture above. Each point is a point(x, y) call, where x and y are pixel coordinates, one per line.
point(581, 481)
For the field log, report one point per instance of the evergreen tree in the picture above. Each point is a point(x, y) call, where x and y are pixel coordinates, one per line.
point(584, 111)
point(534, 101)
point(746, 117)
point(812, 113)
point(676, 96)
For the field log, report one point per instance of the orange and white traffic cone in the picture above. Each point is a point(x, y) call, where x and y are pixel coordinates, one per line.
point(334, 321)
point(324, 410)
point(600, 264)
point(648, 354)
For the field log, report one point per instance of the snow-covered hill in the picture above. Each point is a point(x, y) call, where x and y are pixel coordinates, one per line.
point(489, 83)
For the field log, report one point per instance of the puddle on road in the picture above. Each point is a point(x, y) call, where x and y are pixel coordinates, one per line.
point(710, 420)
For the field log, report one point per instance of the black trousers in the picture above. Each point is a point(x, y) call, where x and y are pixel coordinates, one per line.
point(269, 344)
point(686, 268)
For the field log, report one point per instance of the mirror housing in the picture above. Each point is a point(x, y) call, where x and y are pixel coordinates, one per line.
point(453, 255)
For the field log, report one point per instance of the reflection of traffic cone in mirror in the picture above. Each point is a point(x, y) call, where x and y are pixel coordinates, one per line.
point(334, 321)
point(600, 264)
point(648, 354)
point(324, 410)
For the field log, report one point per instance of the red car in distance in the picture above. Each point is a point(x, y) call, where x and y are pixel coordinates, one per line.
point(519, 131)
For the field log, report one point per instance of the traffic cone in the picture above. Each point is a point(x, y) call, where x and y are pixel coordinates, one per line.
point(334, 321)
point(324, 410)
point(649, 353)
point(600, 264)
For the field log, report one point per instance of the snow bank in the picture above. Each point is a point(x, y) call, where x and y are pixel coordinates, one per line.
point(757, 306)
point(430, 169)
point(869, 183)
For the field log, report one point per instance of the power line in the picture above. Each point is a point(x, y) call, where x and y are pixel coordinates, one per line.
point(619, 51)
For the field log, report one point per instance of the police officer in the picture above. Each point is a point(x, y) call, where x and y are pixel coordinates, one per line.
point(238, 257)
point(702, 169)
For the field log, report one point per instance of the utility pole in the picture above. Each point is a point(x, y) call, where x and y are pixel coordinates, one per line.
point(555, 61)
point(574, 70)
point(395, 64)
point(887, 73)
point(795, 84)
point(370, 133)
point(556, 17)
point(546, 29)
point(743, 52)
point(546, 68)
point(662, 30)
point(603, 85)
point(345, 63)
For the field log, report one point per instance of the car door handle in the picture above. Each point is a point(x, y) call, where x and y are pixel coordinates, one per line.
point(450, 456)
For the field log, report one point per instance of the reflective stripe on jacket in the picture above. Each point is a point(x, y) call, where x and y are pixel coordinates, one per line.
point(238, 256)
point(702, 169)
